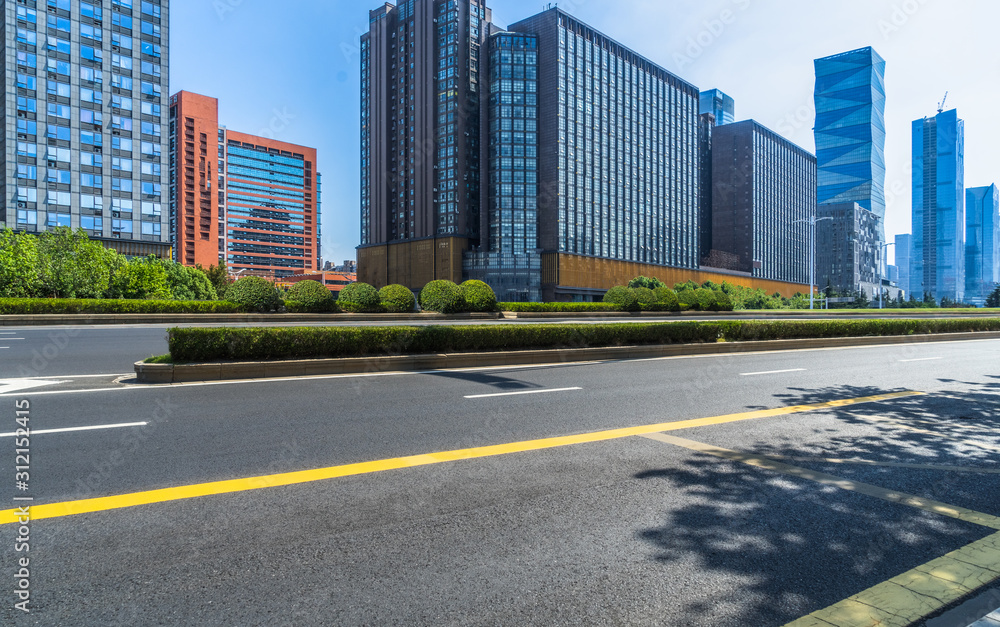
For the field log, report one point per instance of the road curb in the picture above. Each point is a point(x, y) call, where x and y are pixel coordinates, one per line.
point(189, 373)
point(17, 320)
point(800, 313)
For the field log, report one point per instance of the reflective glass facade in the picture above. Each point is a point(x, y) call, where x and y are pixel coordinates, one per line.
point(847, 249)
point(720, 105)
point(982, 243)
point(85, 139)
point(850, 130)
point(618, 168)
point(939, 207)
point(904, 261)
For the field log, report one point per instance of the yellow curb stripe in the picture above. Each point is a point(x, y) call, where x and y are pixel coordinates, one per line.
point(928, 505)
point(72, 508)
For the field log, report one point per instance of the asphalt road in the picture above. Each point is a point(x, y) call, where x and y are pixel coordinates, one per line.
point(622, 530)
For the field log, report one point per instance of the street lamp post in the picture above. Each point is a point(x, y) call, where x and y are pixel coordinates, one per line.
point(882, 255)
point(812, 257)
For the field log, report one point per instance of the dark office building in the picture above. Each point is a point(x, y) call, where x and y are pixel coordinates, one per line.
point(763, 194)
point(847, 249)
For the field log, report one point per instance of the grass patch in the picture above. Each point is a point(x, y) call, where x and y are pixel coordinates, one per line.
point(159, 359)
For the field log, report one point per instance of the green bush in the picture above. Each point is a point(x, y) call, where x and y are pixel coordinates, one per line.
point(360, 298)
point(666, 299)
point(645, 281)
point(688, 300)
point(644, 296)
point(479, 296)
point(397, 299)
point(141, 278)
point(28, 306)
point(309, 297)
point(194, 345)
point(443, 297)
point(622, 297)
point(723, 302)
point(705, 299)
point(188, 283)
point(254, 294)
point(557, 307)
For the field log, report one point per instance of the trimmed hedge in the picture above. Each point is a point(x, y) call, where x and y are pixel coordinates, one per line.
point(625, 298)
point(666, 298)
point(359, 298)
point(261, 344)
point(443, 297)
point(478, 296)
point(309, 297)
point(397, 299)
point(29, 306)
point(557, 307)
point(254, 294)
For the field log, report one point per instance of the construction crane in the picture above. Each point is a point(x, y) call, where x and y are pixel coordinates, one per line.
point(943, 102)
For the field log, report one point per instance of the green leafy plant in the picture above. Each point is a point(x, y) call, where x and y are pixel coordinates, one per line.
point(666, 299)
point(443, 297)
point(647, 282)
point(557, 307)
point(359, 298)
point(478, 296)
point(254, 294)
point(29, 306)
point(18, 265)
point(993, 300)
point(397, 299)
point(644, 296)
point(309, 297)
point(622, 297)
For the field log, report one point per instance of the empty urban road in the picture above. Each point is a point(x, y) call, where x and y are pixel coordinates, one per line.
point(737, 490)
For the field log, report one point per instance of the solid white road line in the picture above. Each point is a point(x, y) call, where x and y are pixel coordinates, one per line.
point(909, 361)
point(523, 393)
point(756, 374)
point(73, 429)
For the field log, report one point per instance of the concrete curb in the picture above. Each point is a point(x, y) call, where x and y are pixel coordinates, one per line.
point(188, 373)
point(107, 319)
point(804, 314)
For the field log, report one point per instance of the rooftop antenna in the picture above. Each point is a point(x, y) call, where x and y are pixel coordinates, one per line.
point(943, 102)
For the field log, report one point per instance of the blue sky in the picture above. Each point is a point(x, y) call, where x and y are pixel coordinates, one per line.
point(290, 70)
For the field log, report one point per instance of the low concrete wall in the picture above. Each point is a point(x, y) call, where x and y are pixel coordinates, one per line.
point(186, 373)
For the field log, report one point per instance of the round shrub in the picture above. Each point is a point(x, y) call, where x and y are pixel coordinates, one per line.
point(309, 297)
point(644, 296)
point(623, 298)
point(666, 299)
point(443, 297)
point(723, 302)
point(359, 298)
point(705, 298)
point(479, 296)
point(688, 300)
point(254, 294)
point(397, 299)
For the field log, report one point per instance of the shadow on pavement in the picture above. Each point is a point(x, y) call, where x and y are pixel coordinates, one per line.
point(794, 546)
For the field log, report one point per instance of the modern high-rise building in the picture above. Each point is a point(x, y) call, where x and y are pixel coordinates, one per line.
point(982, 243)
point(904, 261)
point(720, 105)
point(251, 201)
point(85, 120)
point(763, 195)
point(850, 130)
point(546, 159)
point(847, 250)
point(938, 261)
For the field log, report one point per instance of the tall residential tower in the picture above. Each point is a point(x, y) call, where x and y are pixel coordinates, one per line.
point(85, 120)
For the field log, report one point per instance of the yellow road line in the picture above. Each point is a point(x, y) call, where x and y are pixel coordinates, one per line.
point(907, 598)
point(872, 462)
point(823, 478)
point(72, 508)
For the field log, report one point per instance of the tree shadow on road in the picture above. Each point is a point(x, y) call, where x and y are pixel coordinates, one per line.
point(791, 546)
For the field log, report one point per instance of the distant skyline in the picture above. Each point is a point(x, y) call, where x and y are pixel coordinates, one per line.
point(293, 73)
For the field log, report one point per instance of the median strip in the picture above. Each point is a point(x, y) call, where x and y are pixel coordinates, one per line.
point(73, 508)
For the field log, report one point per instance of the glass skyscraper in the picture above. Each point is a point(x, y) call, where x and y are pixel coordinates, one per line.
point(85, 139)
point(982, 243)
point(904, 256)
point(850, 130)
point(938, 261)
point(720, 105)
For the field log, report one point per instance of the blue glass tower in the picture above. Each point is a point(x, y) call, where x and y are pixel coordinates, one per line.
point(720, 105)
point(939, 207)
point(850, 130)
point(982, 243)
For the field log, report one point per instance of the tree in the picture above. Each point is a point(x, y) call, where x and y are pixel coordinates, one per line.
point(142, 278)
point(72, 266)
point(861, 300)
point(18, 265)
point(188, 283)
point(645, 281)
point(993, 300)
point(219, 277)
point(929, 301)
